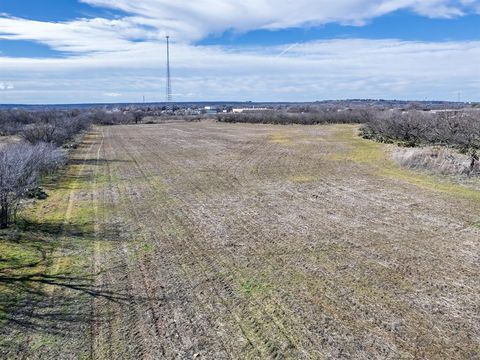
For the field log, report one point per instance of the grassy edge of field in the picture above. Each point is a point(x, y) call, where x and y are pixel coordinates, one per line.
point(375, 154)
point(47, 247)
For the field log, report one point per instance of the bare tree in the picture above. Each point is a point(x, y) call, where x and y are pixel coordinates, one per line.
point(458, 129)
point(21, 166)
point(473, 160)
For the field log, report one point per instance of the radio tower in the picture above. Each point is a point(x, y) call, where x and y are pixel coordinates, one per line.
point(169, 81)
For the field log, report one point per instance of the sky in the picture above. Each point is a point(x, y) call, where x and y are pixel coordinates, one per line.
point(104, 51)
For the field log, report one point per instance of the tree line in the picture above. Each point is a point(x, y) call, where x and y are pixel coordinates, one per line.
point(296, 116)
point(456, 129)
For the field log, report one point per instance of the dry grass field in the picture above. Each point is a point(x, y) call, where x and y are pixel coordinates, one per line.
point(228, 241)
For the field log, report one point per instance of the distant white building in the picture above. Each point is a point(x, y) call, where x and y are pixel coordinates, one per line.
point(242, 110)
point(210, 110)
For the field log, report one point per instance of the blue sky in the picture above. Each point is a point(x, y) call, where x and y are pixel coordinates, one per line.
point(398, 25)
point(64, 51)
point(49, 10)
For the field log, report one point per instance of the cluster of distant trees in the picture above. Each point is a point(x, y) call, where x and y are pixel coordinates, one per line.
point(302, 116)
point(60, 126)
point(457, 129)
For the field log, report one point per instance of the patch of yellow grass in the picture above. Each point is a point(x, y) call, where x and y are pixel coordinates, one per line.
point(359, 150)
point(364, 151)
point(280, 138)
point(302, 179)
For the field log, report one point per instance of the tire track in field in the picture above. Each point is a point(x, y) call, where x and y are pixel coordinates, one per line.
point(111, 339)
point(255, 323)
point(168, 330)
point(179, 255)
point(381, 326)
point(127, 330)
point(279, 321)
point(95, 311)
point(191, 205)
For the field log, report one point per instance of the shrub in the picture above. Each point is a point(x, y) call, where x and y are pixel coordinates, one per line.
point(56, 131)
point(36, 193)
point(458, 129)
point(21, 166)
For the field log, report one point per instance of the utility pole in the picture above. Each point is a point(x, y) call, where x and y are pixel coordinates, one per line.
point(169, 81)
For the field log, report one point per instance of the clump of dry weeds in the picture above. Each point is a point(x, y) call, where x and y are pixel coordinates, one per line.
point(437, 159)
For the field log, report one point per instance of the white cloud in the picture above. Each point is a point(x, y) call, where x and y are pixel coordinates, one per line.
point(310, 71)
point(194, 19)
point(76, 36)
point(106, 61)
point(6, 86)
point(112, 94)
point(191, 20)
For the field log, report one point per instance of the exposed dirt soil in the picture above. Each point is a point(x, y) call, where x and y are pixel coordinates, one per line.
point(229, 241)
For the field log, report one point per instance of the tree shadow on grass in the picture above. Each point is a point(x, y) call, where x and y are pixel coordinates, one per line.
point(66, 181)
point(41, 303)
point(37, 299)
point(93, 161)
point(109, 233)
point(31, 284)
point(32, 232)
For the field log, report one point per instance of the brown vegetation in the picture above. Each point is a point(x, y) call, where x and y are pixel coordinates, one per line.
point(21, 167)
point(438, 159)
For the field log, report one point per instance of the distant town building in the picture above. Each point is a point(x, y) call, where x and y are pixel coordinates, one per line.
point(210, 110)
point(242, 110)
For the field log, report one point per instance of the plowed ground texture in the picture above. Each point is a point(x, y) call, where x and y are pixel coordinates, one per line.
point(228, 241)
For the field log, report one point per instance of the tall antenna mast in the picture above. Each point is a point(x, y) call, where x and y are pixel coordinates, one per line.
point(169, 81)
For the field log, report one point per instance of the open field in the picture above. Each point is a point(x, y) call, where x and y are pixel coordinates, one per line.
point(237, 241)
